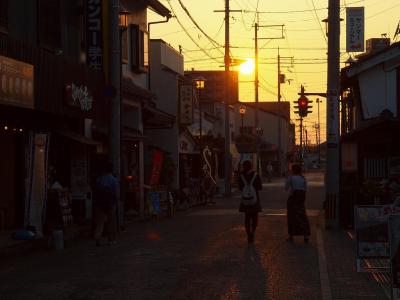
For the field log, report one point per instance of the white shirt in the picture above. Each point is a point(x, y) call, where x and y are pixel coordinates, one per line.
point(296, 182)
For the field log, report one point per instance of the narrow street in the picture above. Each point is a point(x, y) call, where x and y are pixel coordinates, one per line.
point(199, 254)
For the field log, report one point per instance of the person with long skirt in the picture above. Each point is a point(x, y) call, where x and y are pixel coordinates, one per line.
point(297, 220)
point(249, 177)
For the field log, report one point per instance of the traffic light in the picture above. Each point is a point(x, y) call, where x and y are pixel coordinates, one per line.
point(303, 105)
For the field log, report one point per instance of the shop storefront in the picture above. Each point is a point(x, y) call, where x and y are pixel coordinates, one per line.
point(45, 105)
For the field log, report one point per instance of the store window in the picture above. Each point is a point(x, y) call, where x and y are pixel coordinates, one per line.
point(139, 49)
point(49, 24)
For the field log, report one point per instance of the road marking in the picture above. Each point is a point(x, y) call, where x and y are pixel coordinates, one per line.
point(323, 269)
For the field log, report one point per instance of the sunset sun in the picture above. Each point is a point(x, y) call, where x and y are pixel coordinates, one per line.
point(247, 67)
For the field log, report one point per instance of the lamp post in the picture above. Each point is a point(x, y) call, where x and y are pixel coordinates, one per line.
point(200, 84)
point(116, 113)
point(242, 111)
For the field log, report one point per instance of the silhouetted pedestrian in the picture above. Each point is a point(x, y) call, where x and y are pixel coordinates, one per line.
point(249, 184)
point(105, 202)
point(297, 220)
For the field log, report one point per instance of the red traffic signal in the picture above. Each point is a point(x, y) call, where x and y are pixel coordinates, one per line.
point(303, 106)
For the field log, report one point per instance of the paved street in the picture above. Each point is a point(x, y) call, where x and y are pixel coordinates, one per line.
point(199, 254)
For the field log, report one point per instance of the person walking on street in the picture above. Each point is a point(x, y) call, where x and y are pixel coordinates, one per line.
point(105, 203)
point(297, 220)
point(249, 185)
point(270, 170)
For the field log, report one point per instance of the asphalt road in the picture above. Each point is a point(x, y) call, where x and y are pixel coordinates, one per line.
point(198, 254)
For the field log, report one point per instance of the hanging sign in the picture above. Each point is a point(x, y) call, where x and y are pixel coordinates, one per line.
point(186, 104)
point(16, 83)
point(355, 29)
point(78, 96)
point(94, 34)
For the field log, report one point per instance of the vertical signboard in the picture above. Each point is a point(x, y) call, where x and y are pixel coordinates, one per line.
point(186, 104)
point(355, 29)
point(36, 181)
point(94, 34)
point(333, 118)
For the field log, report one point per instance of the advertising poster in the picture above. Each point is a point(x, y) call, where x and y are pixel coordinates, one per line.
point(37, 181)
point(156, 167)
point(372, 234)
point(394, 244)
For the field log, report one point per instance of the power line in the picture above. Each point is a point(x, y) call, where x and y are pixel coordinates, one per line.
point(214, 42)
point(187, 33)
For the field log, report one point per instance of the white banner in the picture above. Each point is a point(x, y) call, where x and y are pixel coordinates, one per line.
point(355, 29)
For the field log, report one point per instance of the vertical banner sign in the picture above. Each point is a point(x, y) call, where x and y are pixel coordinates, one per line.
point(37, 181)
point(394, 245)
point(186, 104)
point(156, 168)
point(333, 118)
point(355, 29)
point(94, 34)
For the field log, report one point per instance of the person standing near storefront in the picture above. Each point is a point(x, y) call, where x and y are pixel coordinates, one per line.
point(105, 203)
point(249, 184)
point(297, 220)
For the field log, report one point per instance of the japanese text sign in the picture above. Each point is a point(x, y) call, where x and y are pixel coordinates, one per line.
point(186, 104)
point(355, 29)
point(94, 34)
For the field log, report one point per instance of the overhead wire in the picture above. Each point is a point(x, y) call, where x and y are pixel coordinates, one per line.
point(187, 33)
point(214, 42)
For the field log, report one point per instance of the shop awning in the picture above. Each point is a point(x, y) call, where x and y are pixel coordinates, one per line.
point(154, 118)
point(77, 137)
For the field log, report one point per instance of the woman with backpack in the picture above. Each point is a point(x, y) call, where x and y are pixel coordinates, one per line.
point(297, 220)
point(249, 185)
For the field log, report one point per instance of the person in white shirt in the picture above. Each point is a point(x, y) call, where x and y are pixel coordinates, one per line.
point(297, 220)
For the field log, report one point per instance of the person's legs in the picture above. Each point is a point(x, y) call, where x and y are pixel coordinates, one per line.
point(111, 224)
point(254, 223)
point(100, 218)
point(247, 219)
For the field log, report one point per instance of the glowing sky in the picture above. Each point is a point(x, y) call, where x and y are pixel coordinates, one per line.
point(304, 40)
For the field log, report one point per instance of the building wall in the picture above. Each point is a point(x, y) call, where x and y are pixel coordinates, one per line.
point(165, 68)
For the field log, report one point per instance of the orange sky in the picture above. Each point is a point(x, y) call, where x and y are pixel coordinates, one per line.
point(304, 40)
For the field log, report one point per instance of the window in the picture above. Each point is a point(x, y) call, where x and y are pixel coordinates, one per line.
point(49, 24)
point(139, 49)
point(4, 13)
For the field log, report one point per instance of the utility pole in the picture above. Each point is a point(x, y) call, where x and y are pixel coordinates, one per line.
point(115, 81)
point(319, 133)
point(279, 117)
point(281, 79)
point(301, 139)
point(227, 62)
point(332, 133)
point(256, 85)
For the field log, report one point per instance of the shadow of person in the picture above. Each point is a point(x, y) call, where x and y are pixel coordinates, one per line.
point(252, 276)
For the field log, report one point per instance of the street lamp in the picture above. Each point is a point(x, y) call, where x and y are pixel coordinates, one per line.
point(123, 18)
point(242, 111)
point(200, 84)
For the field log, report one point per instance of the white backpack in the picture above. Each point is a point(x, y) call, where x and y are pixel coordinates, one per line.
point(249, 194)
